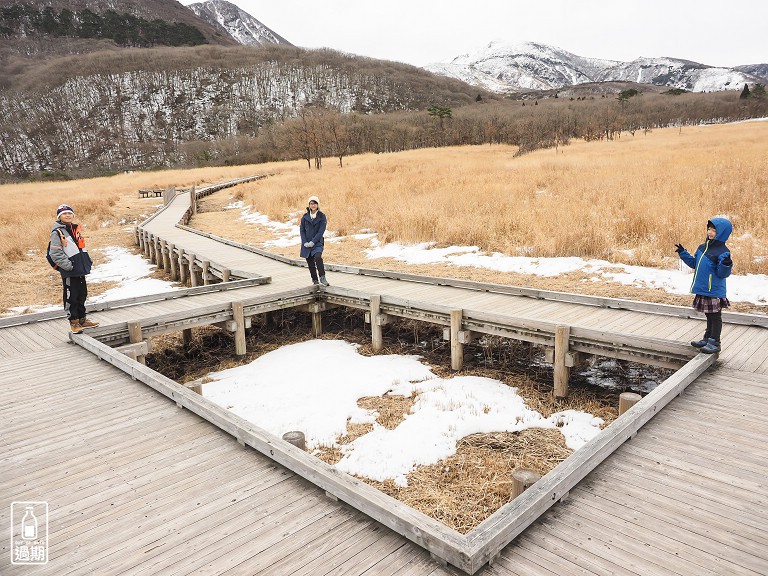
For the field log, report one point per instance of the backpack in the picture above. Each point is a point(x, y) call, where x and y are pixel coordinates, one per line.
point(48, 251)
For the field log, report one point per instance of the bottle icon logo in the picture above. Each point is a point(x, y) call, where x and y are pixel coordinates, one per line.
point(29, 524)
point(29, 532)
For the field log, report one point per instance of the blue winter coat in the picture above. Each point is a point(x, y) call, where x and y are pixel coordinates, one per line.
point(312, 230)
point(709, 271)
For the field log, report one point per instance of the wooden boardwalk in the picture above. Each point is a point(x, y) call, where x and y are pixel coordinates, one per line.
point(136, 485)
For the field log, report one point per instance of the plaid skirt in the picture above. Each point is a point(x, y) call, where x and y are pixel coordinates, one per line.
point(709, 305)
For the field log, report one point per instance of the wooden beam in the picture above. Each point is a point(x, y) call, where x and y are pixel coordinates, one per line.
point(494, 533)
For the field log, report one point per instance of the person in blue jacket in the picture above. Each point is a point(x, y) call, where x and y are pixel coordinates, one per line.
point(712, 264)
point(312, 228)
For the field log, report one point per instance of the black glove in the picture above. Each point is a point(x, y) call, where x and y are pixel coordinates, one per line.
point(727, 261)
point(679, 248)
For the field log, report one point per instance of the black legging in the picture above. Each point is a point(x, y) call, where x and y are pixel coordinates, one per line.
point(316, 267)
point(714, 325)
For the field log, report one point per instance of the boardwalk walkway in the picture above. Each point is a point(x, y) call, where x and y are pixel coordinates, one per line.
point(136, 485)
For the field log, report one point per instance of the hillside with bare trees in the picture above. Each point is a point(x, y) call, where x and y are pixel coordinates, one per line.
point(109, 111)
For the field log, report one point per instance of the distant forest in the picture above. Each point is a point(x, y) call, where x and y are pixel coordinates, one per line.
point(124, 29)
point(109, 111)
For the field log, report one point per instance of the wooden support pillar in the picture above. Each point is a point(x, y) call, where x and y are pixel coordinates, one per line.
point(192, 273)
point(150, 248)
point(239, 318)
point(166, 256)
point(377, 339)
point(457, 348)
point(522, 479)
point(173, 261)
point(134, 335)
point(193, 200)
point(139, 237)
point(561, 371)
point(317, 324)
point(186, 338)
point(627, 400)
point(182, 267)
point(145, 243)
point(206, 265)
point(296, 438)
point(225, 275)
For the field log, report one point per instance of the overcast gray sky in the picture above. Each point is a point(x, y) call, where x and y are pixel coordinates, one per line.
point(420, 32)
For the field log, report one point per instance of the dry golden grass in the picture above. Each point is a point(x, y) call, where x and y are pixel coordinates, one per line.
point(597, 199)
point(105, 206)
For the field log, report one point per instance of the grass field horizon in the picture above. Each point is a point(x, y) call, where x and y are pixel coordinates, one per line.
point(627, 201)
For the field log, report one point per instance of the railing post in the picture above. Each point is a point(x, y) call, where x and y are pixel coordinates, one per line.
point(627, 400)
point(457, 348)
point(173, 261)
point(561, 371)
point(193, 200)
point(206, 265)
point(239, 318)
point(182, 267)
point(166, 257)
point(377, 338)
point(134, 335)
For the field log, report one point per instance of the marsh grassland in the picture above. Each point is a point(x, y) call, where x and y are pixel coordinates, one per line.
point(628, 200)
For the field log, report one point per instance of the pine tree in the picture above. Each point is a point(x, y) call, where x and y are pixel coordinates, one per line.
point(745, 92)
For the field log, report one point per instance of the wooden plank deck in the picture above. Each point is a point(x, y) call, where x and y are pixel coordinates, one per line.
point(137, 485)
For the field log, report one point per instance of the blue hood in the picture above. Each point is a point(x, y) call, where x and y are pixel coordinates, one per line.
point(723, 227)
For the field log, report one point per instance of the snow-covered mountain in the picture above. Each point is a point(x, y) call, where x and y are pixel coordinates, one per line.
point(237, 23)
point(503, 67)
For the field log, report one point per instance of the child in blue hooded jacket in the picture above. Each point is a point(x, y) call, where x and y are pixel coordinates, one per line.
point(712, 264)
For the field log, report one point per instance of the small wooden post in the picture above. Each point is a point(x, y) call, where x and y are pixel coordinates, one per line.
point(239, 318)
point(206, 265)
point(225, 274)
point(193, 200)
point(296, 438)
point(173, 261)
point(627, 400)
point(457, 348)
point(134, 335)
point(140, 238)
point(192, 273)
point(182, 267)
point(166, 256)
point(317, 324)
point(522, 479)
point(561, 371)
point(186, 338)
point(377, 338)
point(145, 242)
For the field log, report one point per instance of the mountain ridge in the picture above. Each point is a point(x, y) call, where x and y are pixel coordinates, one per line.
point(237, 23)
point(509, 67)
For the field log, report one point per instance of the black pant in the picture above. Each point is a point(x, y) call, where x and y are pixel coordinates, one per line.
point(316, 267)
point(714, 325)
point(75, 293)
